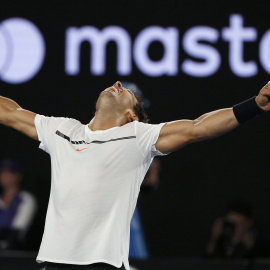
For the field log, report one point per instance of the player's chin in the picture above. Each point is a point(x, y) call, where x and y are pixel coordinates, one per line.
point(110, 93)
point(105, 93)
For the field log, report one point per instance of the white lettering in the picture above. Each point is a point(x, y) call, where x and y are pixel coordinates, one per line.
point(202, 51)
point(264, 52)
point(236, 35)
point(198, 42)
point(168, 37)
point(98, 39)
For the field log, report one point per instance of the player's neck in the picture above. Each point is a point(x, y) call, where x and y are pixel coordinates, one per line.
point(105, 121)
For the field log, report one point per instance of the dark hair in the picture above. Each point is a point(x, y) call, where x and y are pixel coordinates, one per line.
point(139, 110)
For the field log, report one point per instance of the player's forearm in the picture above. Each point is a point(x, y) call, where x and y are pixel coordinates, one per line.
point(177, 134)
point(6, 106)
point(214, 124)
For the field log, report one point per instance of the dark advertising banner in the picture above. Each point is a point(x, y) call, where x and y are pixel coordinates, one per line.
point(187, 58)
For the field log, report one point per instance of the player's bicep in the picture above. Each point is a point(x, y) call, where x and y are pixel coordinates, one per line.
point(23, 121)
point(175, 135)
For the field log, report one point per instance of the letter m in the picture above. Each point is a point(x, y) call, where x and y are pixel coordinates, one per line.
point(98, 40)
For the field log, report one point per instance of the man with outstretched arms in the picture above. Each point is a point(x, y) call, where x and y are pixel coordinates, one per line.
point(97, 170)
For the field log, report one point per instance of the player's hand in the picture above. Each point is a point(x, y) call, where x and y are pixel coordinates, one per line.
point(263, 99)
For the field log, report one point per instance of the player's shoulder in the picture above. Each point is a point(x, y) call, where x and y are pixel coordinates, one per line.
point(137, 123)
point(124, 130)
point(54, 119)
point(66, 121)
point(141, 126)
point(69, 124)
point(70, 121)
point(136, 127)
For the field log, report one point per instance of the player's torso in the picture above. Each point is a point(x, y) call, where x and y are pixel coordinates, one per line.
point(95, 162)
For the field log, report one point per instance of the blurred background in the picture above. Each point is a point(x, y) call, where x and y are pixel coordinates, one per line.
point(186, 58)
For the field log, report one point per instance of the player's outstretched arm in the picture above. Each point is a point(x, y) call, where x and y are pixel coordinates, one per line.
point(12, 115)
point(177, 134)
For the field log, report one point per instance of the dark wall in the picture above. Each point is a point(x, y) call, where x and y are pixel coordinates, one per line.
point(197, 181)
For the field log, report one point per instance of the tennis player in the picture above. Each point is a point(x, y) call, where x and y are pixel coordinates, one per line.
point(97, 170)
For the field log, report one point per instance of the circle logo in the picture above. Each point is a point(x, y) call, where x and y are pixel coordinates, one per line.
point(22, 50)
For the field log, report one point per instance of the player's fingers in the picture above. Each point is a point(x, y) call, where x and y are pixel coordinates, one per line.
point(267, 85)
point(262, 91)
point(265, 91)
point(264, 96)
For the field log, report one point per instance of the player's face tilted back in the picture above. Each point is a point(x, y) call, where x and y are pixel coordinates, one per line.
point(117, 100)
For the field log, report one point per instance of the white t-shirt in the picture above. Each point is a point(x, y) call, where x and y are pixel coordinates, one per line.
point(96, 178)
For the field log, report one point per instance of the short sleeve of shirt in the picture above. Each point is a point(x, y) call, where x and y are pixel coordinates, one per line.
point(147, 135)
point(46, 128)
